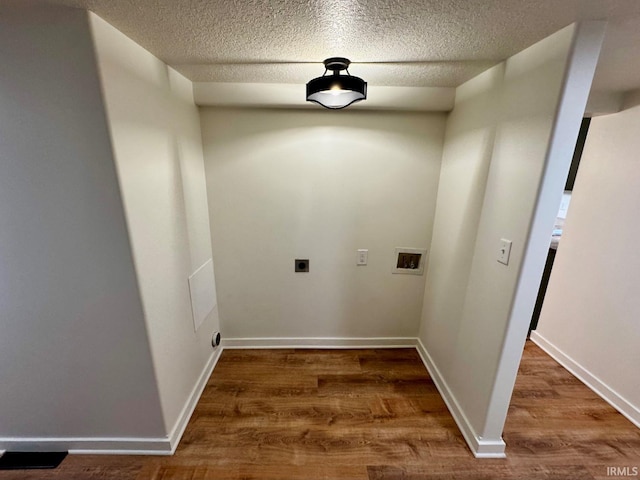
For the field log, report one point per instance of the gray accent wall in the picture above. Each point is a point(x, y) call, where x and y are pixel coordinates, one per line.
point(74, 356)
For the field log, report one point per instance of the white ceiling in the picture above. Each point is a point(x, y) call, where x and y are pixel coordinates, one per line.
point(426, 43)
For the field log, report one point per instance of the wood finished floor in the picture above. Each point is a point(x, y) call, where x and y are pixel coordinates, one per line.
point(374, 415)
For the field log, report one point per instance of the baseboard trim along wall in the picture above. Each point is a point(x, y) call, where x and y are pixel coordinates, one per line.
point(320, 342)
point(481, 448)
point(190, 405)
point(89, 445)
point(585, 376)
point(120, 446)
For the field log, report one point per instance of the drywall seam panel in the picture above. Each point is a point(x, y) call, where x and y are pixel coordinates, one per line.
point(74, 360)
point(155, 132)
point(202, 292)
point(319, 185)
point(583, 56)
point(591, 310)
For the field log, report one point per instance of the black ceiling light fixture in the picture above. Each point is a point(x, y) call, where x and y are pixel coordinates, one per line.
point(336, 91)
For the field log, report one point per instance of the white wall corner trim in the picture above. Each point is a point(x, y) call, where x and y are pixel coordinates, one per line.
point(578, 67)
point(590, 380)
point(320, 342)
point(480, 447)
point(192, 401)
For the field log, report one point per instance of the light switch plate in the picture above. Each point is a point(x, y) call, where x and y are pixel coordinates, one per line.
point(504, 251)
point(363, 256)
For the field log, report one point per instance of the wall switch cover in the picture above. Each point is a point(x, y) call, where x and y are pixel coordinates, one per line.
point(505, 251)
point(363, 256)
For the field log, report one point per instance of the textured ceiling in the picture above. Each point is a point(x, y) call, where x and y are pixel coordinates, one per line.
point(391, 42)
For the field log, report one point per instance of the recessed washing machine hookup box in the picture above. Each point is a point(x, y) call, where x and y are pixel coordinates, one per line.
point(409, 260)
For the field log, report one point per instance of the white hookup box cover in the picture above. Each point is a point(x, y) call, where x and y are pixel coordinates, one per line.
point(202, 288)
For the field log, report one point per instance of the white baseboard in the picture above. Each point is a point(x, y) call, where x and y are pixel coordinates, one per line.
point(320, 342)
point(89, 445)
point(585, 376)
point(480, 447)
point(192, 401)
point(120, 446)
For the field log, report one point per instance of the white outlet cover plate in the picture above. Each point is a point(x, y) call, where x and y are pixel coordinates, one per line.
point(363, 256)
point(504, 251)
point(202, 290)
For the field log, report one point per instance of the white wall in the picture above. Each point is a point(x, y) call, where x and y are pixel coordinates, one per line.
point(589, 319)
point(155, 131)
point(319, 184)
point(468, 147)
point(74, 357)
point(475, 317)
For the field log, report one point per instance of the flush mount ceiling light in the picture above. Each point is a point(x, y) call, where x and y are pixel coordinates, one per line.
point(336, 91)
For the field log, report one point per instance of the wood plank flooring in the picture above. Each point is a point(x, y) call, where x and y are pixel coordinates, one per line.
point(371, 415)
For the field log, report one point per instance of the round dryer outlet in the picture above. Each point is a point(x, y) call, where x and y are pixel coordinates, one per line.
point(215, 339)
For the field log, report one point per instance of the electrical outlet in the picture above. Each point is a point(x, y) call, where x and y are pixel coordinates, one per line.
point(215, 339)
point(302, 265)
point(363, 256)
